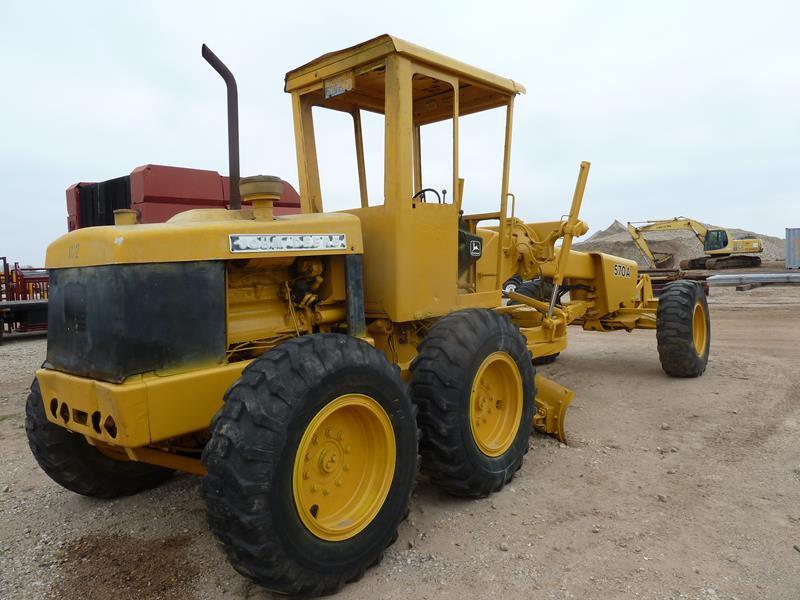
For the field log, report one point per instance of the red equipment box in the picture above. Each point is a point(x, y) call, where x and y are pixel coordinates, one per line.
point(157, 192)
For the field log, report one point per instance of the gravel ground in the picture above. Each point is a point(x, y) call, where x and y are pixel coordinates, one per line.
point(668, 488)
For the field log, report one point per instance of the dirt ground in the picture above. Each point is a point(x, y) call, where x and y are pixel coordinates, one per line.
point(668, 488)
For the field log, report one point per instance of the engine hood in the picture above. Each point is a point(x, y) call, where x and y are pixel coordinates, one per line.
point(208, 234)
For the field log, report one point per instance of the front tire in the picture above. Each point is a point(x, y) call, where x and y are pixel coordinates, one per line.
point(70, 461)
point(311, 464)
point(511, 284)
point(473, 381)
point(683, 329)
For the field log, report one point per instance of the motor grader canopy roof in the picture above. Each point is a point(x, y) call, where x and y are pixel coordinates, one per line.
point(354, 78)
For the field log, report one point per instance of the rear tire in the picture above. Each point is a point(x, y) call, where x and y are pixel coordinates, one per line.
point(443, 382)
point(683, 329)
point(259, 469)
point(70, 461)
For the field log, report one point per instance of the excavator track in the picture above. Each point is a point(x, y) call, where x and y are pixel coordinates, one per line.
point(733, 262)
point(695, 263)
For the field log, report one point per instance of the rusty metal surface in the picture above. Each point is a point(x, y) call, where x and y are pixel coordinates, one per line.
point(18, 284)
point(23, 298)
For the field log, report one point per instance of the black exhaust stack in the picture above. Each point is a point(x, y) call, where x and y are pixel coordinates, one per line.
point(233, 125)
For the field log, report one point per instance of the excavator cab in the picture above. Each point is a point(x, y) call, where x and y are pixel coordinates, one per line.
point(716, 239)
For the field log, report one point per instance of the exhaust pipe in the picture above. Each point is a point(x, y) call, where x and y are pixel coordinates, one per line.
point(233, 125)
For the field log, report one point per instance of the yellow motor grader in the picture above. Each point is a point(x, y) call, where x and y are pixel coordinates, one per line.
point(305, 364)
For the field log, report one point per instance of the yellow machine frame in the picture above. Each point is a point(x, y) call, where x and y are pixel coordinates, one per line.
point(409, 250)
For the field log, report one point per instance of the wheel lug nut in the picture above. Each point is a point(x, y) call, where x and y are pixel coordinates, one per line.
point(315, 440)
point(313, 488)
point(305, 474)
point(337, 483)
point(325, 491)
point(346, 467)
point(347, 449)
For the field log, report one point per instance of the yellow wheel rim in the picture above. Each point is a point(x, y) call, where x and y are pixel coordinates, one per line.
point(699, 329)
point(344, 467)
point(495, 404)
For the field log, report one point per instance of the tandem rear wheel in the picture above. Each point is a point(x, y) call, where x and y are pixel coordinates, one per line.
point(473, 381)
point(311, 463)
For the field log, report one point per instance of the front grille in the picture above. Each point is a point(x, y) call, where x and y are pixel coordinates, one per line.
point(113, 321)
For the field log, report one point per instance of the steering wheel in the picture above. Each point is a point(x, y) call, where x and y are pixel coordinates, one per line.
point(422, 193)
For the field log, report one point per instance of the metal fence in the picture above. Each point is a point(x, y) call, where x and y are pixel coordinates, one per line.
point(17, 283)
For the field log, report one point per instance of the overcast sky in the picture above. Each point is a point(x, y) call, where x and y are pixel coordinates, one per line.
point(683, 108)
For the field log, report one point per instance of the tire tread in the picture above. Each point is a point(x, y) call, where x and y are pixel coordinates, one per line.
point(437, 387)
point(249, 432)
point(674, 329)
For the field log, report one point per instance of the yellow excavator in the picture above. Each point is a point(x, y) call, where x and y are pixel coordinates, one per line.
point(722, 250)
